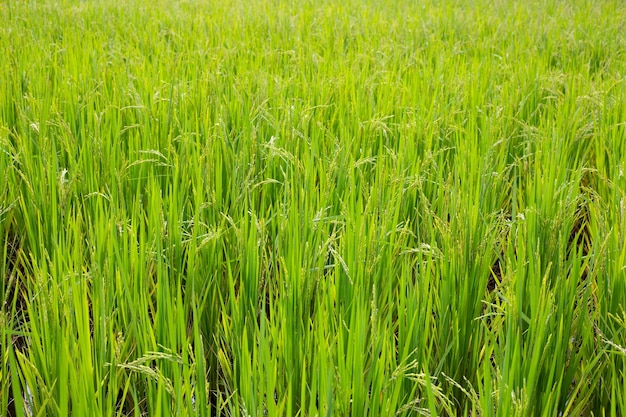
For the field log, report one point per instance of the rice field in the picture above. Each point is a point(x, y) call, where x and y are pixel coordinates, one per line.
point(313, 208)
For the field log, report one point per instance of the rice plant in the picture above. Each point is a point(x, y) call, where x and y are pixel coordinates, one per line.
point(332, 208)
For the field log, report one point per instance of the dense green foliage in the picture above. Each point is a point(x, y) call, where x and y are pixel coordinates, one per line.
point(334, 208)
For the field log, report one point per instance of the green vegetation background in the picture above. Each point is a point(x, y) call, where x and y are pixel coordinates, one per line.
point(338, 208)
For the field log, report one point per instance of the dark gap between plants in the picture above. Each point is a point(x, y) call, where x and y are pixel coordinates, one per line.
point(14, 306)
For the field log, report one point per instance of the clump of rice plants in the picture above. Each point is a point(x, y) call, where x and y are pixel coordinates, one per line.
point(338, 208)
